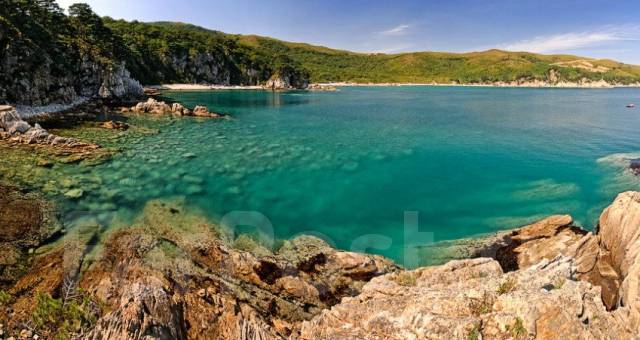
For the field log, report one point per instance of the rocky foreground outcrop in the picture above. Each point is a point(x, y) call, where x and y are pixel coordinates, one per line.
point(549, 280)
point(161, 108)
point(172, 274)
point(13, 128)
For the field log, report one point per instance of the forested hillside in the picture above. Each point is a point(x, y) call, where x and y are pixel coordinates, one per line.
point(326, 65)
point(47, 55)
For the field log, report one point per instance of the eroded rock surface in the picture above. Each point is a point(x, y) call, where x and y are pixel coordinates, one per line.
point(561, 282)
point(172, 274)
point(175, 275)
point(161, 108)
point(471, 299)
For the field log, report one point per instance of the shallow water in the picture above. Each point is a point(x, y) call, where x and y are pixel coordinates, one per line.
point(348, 165)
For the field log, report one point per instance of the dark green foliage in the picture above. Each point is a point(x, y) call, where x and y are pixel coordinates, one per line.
point(327, 65)
point(175, 52)
point(44, 53)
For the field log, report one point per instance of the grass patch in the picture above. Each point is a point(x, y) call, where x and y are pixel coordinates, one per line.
point(507, 286)
point(474, 333)
point(5, 298)
point(517, 330)
point(62, 319)
point(559, 282)
point(406, 279)
point(483, 305)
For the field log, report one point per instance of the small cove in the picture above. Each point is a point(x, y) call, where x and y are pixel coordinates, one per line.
point(347, 165)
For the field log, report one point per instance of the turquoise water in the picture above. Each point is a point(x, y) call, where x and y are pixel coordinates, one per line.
point(350, 163)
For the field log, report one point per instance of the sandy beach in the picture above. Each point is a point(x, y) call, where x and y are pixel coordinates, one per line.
point(319, 86)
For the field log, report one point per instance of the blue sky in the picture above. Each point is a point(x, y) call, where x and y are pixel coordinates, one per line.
point(593, 28)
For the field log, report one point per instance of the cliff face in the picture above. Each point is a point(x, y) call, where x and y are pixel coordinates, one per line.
point(164, 52)
point(47, 57)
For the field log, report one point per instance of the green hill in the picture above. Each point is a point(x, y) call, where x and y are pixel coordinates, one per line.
point(330, 65)
point(326, 65)
point(48, 56)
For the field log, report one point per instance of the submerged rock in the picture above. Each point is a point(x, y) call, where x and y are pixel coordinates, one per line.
point(25, 222)
point(74, 193)
point(114, 125)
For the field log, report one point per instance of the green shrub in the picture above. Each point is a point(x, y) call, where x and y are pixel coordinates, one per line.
point(5, 298)
point(61, 319)
point(517, 330)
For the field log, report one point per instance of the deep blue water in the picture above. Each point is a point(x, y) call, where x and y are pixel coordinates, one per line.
point(347, 165)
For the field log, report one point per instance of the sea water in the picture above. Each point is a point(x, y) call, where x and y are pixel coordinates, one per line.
point(377, 169)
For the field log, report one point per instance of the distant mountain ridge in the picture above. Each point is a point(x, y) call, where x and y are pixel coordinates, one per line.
point(325, 64)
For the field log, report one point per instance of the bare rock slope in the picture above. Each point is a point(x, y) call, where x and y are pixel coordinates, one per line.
point(560, 282)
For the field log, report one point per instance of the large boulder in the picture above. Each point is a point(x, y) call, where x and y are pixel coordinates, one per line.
point(550, 279)
point(471, 299)
point(161, 108)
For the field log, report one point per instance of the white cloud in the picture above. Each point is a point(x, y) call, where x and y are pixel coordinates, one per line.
point(394, 49)
point(574, 40)
point(398, 30)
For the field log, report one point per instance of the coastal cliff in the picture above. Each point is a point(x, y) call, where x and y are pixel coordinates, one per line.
point(173, 274)
point(50, 57)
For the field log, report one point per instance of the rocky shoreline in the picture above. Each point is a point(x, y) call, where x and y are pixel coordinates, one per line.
point(174, 274)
